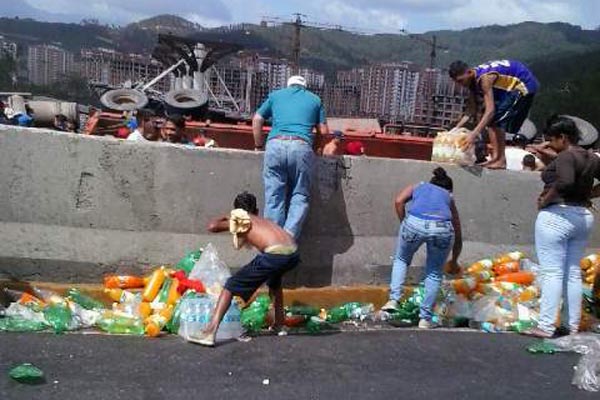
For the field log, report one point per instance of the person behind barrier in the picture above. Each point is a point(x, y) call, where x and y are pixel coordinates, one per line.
point(289, 156)
point(430, 218)
point(278, 255)
point(563, 224)
point(173, 130)
point(508, 88)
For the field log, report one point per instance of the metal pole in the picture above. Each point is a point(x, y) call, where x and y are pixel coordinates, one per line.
point(161, 75)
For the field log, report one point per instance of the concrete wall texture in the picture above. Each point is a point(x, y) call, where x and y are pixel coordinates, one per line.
point(73, 208)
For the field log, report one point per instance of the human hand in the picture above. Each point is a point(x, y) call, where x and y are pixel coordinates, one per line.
point(452, 267)
point(467, 142)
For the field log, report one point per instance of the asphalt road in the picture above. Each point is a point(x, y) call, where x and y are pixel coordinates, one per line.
point(394, 364)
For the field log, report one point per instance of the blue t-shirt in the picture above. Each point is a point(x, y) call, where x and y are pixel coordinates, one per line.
point(431, 202)
point(294, 112)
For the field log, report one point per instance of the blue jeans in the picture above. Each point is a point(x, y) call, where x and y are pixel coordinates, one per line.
point(439, 236)
point(561, 235)
point(287, 174)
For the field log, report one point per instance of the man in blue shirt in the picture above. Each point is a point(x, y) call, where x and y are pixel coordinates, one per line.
point(289, 155)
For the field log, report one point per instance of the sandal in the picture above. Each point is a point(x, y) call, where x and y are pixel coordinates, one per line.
point(204, 339)
point(538, 333)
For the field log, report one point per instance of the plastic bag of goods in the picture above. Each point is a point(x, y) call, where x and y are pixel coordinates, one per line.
point(196, 313)
point(590, 266)
point(211, 271)
point(188, 261)
point(587, 371)
point(448, 147)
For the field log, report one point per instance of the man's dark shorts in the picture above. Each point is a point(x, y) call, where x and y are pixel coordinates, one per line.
point(263, 268)
point(512, 111)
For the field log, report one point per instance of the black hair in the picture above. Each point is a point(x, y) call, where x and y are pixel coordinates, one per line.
point(558, 125)
point(177, 120)
point(529, 161)
point(246, 201)
point(441, 179)
point(144, 114)
point(457, 68)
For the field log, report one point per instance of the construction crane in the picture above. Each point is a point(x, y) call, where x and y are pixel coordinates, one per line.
point(298, 22)
point(430, 42)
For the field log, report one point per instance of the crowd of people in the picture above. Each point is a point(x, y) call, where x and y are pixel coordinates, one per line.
point(426, 211)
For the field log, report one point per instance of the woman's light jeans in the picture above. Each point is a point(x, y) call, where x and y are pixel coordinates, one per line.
point(561, 235)
point(439, 236)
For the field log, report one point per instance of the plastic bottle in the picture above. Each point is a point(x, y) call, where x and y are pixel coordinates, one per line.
point(506, 268)
point(508, 257)
point(522, 278)
point(156, 322)
point(48, 296)
point(154, 284)
point(481, 265)
point(119, 295)
point(31, 301)
point(464, 286)
point(528, 294)
point(123, 282)
point(589, 261)
point(122, 325)
point(83, 300)
point(483, 276)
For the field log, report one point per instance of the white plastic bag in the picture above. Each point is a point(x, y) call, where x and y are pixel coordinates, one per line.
point(587, 371)
point(447, 147)
point(211, 271)
point(196, 313)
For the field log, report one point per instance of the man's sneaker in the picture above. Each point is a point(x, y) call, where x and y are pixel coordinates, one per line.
point(390, 306)
point(425, 324)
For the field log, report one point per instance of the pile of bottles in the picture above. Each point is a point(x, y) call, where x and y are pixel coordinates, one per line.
point(494, 294)
point(450, 146)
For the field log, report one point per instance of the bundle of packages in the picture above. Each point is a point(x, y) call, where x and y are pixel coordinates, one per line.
point(449, 146)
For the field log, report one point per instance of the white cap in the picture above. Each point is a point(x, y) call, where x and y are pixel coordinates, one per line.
point(296, 80)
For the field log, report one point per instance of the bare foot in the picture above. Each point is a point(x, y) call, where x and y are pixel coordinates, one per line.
point(497, 165)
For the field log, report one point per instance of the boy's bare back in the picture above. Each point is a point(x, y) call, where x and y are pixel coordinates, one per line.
point(264, 234)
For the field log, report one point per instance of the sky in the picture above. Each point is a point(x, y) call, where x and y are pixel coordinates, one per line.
point(369, 16)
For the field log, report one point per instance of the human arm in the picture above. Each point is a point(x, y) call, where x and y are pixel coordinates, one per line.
point(595, 192)
point(401, 199)
point(257, 125)
point(458, 241)
point(463, 120)
point(487, 83)
point(219, 224)
point(543, 151)
point(265, 111)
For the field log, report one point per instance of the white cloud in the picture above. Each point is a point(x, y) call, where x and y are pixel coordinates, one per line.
point(373, 15)
point(503, 12)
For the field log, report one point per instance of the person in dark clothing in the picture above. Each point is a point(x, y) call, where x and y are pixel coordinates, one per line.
point(564, 223)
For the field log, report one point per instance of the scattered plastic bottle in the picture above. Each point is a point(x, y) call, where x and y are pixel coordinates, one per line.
point(589, 261)
point(156, 322)
point(123, 282)
point(83, 300)
point(121, 325)
point(58, 316)
point(508, 257)
point(507, 267)
point(483, 276)
point(464, 286)
point(27, 373)
point(154, 284)
point(119, 295)
point(528, 294)
point(480, 266)
point(21, 324)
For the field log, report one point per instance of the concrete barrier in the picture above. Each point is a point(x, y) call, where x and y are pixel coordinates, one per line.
point(73, 208)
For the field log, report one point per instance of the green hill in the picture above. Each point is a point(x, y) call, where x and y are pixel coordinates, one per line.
point(570, 85)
